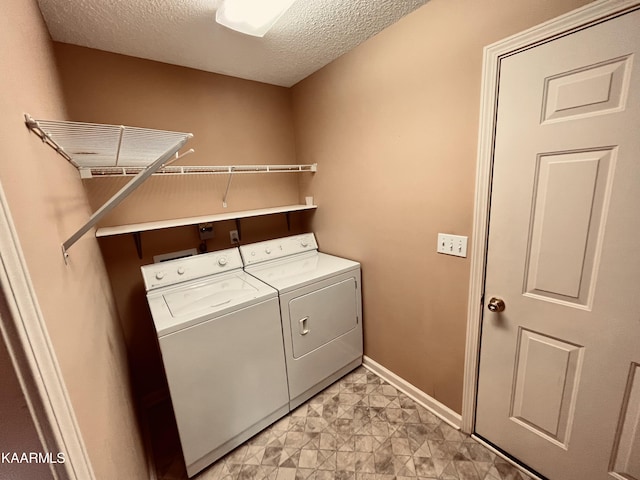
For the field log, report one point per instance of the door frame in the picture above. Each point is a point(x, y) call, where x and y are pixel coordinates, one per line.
point(24, 331)
point(563, 25)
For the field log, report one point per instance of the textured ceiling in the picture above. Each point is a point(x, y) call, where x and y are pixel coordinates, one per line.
point(309, 35)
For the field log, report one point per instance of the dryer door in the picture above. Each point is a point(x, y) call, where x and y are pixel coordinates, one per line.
point(322, 315)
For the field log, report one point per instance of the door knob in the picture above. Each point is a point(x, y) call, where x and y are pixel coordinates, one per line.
point(496, 305)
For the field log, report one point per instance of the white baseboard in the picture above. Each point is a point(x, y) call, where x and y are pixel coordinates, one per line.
point(440, 410)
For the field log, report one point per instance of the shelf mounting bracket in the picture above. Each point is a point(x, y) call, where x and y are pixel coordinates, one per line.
point(137, 239)
point(238, 229)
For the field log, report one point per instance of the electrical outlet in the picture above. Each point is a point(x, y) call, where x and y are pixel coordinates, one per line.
point(452, 244)
point(234, 237)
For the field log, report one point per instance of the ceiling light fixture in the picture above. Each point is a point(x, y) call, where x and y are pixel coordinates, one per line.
point(251, 17)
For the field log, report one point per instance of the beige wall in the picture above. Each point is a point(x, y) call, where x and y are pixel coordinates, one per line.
point(393, 127)
point(234, 121)
point(47, 202)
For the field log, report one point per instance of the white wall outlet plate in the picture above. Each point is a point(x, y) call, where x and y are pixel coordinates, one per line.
point(452, 244)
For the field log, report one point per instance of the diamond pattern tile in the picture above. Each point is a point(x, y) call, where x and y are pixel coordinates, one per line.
point(360, 428)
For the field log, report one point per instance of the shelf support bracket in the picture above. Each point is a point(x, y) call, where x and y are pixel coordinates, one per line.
point(238, 229)
point(137, 239)
point(120, 138)
point(121, 194)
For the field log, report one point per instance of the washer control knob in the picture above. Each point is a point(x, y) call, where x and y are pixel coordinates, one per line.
point(222, 261)
point(180, 270)
point(267, 250)
point(304, 242)
point(160, 275)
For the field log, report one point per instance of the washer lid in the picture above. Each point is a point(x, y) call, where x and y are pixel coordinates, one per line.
point(189, 303)
point(207, 296)
point(296, 271)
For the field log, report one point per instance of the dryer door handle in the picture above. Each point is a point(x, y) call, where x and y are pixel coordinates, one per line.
point(302, 324)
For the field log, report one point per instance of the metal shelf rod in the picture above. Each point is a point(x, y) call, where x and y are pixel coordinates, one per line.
point(226, 192)
point(110, 171)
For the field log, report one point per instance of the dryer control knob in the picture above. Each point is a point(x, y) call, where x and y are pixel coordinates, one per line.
point(160, 275)
point(180, 270)
point(304, 242)
point(222, 261)
point(267, 250)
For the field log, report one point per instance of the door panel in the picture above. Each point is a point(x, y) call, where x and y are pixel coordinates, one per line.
point(554, 387)
point(547, 375)
point(587, 91)
point(570, 204)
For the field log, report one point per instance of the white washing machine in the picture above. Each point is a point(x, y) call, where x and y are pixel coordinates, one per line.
point(220, 336)
point(320, 306)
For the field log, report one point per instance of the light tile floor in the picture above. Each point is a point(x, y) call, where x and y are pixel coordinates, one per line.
point(360, 428)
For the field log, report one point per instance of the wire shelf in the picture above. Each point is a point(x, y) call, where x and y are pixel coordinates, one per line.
point(88, 145)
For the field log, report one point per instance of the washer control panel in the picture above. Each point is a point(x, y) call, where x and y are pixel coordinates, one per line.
point(278, 248)
point(189, 268)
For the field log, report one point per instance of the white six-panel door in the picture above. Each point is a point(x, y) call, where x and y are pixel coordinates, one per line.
point(559, 381)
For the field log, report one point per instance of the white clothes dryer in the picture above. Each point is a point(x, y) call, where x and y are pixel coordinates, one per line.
point(220, 336)
point(320, 306)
